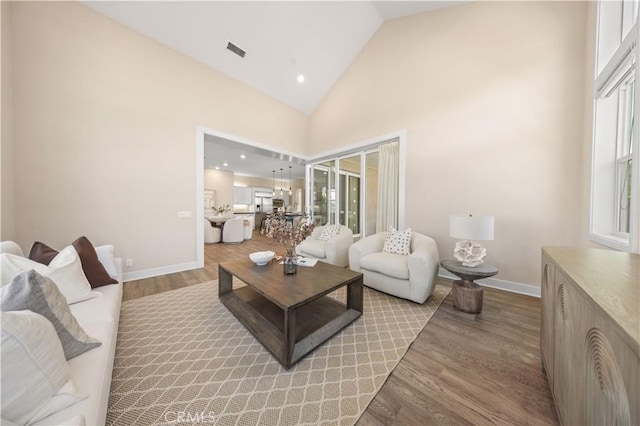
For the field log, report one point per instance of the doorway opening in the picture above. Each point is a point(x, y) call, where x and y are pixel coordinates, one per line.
point(263, 159)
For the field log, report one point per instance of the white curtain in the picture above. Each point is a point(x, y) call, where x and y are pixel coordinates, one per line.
point(387, 214)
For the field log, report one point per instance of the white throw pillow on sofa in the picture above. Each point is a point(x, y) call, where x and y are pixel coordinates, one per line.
point(11, 247)
point(34, 369)
point(108, 260)
point(65, 270)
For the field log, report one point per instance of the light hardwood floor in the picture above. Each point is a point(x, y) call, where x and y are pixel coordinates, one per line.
point(462, 369)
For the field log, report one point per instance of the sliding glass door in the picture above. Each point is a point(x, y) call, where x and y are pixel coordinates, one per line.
point(350, 193)
point(323, 193)
point(346, 190)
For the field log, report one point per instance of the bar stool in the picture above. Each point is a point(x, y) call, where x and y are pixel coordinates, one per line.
point(264, 223)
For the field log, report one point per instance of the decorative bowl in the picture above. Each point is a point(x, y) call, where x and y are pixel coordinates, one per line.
point(261, 257)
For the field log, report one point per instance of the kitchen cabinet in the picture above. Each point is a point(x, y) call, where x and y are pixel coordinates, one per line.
point(590, 334)
point(242, 195)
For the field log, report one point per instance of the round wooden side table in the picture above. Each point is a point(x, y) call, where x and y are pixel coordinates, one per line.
point(467, 295)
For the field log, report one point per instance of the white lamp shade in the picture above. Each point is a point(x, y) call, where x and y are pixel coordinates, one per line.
point(468, 227)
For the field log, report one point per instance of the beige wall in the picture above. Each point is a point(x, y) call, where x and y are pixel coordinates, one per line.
point(7, 210)
point(105, 126)
point(492, 96)
point(222, 182)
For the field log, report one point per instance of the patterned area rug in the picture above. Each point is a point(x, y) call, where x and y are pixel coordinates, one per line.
point(183, 358)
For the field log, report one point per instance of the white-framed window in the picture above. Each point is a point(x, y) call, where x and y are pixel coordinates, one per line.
point(615, 181)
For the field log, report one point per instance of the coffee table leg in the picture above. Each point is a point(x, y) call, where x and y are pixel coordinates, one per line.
point(225, 281)
point(355, 295)
point(289, 336)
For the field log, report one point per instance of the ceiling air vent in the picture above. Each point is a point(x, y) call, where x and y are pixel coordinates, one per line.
point(235, 49)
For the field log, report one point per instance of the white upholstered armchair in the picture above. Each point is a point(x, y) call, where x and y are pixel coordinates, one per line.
point(211, 235)
point(334, 251)
point(233, 231)
point(411, 277)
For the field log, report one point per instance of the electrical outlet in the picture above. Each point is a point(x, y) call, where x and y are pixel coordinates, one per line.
point(184, 215)
point(128, 262)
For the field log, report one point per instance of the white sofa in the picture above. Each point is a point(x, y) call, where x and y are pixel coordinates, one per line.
point(91, 371)
point(411, 277)
point(335, 251)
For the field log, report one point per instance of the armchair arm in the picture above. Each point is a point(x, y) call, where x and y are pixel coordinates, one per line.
point(315, 234)
point(365, 246)
point(423, 267)
point(337, 248)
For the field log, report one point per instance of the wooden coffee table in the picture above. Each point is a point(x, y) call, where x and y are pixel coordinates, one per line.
point(290, 315)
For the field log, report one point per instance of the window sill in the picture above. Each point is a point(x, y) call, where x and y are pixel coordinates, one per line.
point(612, 241)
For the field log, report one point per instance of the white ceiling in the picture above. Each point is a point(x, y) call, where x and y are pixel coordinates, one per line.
point(258, 162)
point(318, 39)
point(282, 38)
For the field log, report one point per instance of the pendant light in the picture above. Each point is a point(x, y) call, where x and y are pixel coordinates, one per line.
point(273, 192)
point(290, 181)
point(281, 191)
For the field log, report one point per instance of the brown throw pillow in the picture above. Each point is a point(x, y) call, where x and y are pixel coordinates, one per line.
point(42, 253)
point(91, 266)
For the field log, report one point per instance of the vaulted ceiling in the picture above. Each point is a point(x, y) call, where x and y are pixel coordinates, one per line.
point(282, 39)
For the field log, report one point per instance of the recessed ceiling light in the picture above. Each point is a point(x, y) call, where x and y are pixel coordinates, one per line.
point(243, 156)
point(300, 78)
point(217, 168)
point(225, 164)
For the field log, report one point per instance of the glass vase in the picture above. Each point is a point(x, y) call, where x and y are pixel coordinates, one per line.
point(290, 264)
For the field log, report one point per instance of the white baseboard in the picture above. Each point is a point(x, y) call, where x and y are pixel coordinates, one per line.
point(154, 272)
point(511, 286)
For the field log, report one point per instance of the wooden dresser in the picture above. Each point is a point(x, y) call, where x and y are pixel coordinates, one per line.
point(590, 334)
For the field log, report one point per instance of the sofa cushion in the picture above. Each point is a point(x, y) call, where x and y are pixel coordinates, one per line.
point(66, 397)
point(315, 248)
point(91, 372)
point(398, 242)
point(105, 308)
point(11, 247)
point(75, 421)
point(30, 290)
point(65, 270)
point(33, 365)
point(91, 266)
point(393, 265)
point(328, 232)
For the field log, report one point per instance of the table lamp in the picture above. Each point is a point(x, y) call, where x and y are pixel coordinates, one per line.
point(470, 228)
